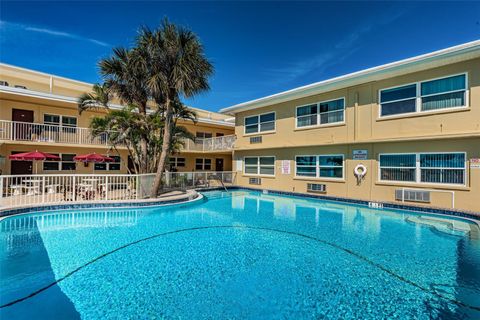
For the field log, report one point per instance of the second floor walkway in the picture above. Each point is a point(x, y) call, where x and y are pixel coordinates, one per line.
point(17, 131)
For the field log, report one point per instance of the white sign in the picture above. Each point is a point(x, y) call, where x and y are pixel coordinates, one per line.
point(285, 167)
point(360, 154)
point(475, 163)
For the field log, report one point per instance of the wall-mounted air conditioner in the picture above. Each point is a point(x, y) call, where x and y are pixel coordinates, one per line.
point(256, 181)
point(412, 195)
point(316, 187)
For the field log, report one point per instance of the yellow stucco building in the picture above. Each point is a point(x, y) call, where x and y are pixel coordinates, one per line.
point(38, 111)
point(408, 131)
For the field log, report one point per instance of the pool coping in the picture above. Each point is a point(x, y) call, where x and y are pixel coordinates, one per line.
point(470, 215)
point(188, 197)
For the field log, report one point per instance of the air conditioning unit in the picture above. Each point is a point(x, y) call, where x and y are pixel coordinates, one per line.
point(412, 195)
point(20, 87)
point(316, 187)
point(256, 139)
point(4, 83)
point(256, 181)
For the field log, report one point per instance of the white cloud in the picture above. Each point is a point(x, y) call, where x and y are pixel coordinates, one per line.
point(12, 26)
point(340, 51)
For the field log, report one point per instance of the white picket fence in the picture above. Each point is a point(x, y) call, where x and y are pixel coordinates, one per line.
point(23, 190)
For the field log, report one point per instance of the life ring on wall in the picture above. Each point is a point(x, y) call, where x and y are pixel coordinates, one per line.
point(360, 170)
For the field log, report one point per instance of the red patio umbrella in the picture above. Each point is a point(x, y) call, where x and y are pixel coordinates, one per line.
point(33, 156)
point(92, 157)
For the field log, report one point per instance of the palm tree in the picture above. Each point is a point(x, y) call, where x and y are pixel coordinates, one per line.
point(179, 68)
point(126, 75)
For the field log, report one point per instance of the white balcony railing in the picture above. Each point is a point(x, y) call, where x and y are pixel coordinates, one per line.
point(224, 143)
point(39, 132)
point(28, 190)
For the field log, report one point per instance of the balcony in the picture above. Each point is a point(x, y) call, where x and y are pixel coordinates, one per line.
point(39, 132)
point(217, 144)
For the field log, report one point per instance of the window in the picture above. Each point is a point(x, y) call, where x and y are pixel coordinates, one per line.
point(447, 168)
point(67, 123)
point(449, 92)
point(203, 164)
point(306, 166)
point(323, 166)
point(325, 112)
point(177, 162)
point(51, 165)
point(260, 123)
point(260, 165)
point(109, 166)
point(203, 135)
point(442, 168)
point(51, 119)
point(66, 162)
point(443, 93)
point(398, 167)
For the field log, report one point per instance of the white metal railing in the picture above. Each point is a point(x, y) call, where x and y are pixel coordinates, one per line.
point(27, 190)
point(223, 143)
point(40, 132)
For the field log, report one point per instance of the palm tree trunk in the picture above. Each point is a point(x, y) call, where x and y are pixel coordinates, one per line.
point(144, 157)
point(167, 133)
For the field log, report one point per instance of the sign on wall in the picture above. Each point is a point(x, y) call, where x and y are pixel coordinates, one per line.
point(285, 167)
point(475, 163)
point(360, 154)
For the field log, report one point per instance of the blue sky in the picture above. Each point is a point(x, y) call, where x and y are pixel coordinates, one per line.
point(257, 48)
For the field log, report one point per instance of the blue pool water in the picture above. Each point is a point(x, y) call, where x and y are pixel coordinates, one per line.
point(238, 255)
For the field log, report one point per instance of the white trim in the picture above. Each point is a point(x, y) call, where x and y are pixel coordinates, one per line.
point(418, 97)
point(318, 114)
point(418, 168)
point(462, 52)
point(258, 124)
point(318, 167)
point(258, 166)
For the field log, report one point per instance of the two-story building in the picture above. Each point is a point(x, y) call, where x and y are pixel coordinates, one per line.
point(407, 131)
point(38, 111)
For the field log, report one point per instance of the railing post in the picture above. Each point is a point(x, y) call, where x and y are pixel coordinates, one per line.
point(74, 188)
point(13, 131)
point(106, 187)
point(43, 189)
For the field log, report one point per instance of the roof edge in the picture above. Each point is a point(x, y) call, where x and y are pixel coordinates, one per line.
point(346, 80)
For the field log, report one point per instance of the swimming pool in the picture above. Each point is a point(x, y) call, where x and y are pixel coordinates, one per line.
point(239, 254)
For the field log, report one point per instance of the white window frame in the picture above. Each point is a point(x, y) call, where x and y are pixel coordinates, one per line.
point(318, 166)
point(60, 123)
point(107, 167)
point(418, 169)
point(174, 161)
point(258, 166)
point(59, 162)
point(418, 97)
point(203, 164)
point(319, 114)
point(258, 124)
